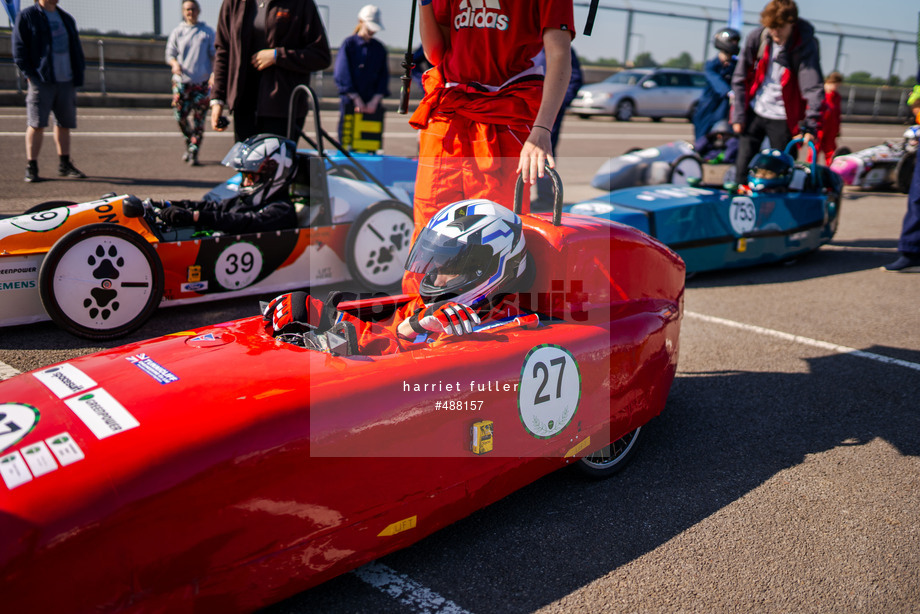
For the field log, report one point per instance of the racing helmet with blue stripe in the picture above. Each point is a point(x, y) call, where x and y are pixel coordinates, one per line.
point(468, 252)
point(267, 162)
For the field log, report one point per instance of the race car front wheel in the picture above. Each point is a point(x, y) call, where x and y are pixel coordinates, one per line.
point(611, 459)
point(686, 169)
point(101, 281)
point(378, 245)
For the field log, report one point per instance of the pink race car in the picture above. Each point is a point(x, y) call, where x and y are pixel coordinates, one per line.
point(891, 163)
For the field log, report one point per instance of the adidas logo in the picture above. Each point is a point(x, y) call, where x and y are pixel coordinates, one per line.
point(480, 14)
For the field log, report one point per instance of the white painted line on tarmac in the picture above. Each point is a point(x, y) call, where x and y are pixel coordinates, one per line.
point(6, 371)
point(859, 248)
point(824, 345)
point(408, 592)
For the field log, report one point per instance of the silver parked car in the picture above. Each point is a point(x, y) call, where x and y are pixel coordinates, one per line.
point(646, 92)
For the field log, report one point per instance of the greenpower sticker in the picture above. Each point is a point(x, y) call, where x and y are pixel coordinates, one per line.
point(16, 421)
point(550, 390)
point(101, 413)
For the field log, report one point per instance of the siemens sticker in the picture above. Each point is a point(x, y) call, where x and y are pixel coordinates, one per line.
point(17, 285)
point(101, 413)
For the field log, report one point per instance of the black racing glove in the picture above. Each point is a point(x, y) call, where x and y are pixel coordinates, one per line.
point(445, 317)
point(177, 216)
point(288, 313)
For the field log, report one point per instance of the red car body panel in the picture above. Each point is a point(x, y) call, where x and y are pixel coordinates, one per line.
point(257, 469)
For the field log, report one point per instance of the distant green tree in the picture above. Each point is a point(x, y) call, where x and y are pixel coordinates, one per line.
point(861, 77)
point(605, 62)
point(645, 60)
point(893, 81)
point(682, 61)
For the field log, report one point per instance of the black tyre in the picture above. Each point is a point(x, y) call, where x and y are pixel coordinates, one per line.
point(842, 151)
point(611, 459)
point(378, 245)
point(343, 170)
point(51, 204)
point(101, 281)
point(584, 116)
point(625, 110)
point(686, 169)
point(904, 172)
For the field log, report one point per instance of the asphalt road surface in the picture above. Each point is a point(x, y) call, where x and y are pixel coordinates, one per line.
point(783, 476)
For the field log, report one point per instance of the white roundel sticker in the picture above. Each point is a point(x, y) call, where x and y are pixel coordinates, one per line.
point(550, 390)
point(238, 266)
point(742, 214)
point(16, 421)
point(43, 221)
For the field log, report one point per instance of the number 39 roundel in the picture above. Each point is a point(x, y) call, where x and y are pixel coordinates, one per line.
point(550, 390)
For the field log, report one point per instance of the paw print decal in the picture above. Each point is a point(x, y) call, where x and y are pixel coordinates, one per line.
point(379, 259)
point(101, 301)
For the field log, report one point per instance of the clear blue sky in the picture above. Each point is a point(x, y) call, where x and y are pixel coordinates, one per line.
point(663, 37)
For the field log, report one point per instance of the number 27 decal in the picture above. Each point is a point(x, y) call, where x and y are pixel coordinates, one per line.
point(550, 390)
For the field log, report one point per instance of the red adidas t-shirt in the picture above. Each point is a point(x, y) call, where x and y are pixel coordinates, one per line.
point(491, 41)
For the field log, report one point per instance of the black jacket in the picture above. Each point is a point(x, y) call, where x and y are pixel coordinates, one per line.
point(32, 46)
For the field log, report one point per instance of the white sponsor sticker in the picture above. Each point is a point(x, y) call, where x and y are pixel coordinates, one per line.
point(39, 458)
point(550, 390)
point(194, 286)
point(65, 380)
point(16, 421)
point(19, 268)
point(101, 413)
point(14, 471)
point(65, 449)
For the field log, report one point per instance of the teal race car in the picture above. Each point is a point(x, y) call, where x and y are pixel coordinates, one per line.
point(770, 219)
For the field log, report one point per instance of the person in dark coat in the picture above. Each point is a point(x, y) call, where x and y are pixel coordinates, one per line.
point(777, 83)
point(362, 72)
point(47, 50)
point(715, 101)
point(264, 50)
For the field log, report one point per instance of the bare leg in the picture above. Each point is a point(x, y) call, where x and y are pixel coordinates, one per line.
point(62, 140)
point(33, 142)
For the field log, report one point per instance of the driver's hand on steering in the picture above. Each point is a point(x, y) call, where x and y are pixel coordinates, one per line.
point(447, 317)
point(288, 313)
point(177, 216)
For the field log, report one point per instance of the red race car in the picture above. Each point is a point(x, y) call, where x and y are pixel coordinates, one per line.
point(223, 469)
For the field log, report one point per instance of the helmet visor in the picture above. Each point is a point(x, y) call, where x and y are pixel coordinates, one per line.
point(445, 264)
point(241, 158)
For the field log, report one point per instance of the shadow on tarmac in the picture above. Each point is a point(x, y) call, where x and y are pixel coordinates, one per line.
point(715, 442)
point(820, 263)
